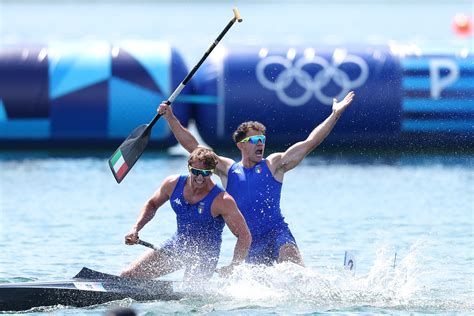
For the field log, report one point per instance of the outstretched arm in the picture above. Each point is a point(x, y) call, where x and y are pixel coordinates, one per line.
point(183, 135)
point(225, 206)
point(189, 142)
point(148, 210)
point(281, 162)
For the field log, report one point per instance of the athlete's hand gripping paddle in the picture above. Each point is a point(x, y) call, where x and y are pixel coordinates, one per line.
point(132, 148)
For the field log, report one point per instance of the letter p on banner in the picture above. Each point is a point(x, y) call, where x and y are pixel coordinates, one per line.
point(438, 82)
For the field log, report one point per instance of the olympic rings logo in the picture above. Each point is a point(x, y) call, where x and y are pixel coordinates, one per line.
point(329, 72)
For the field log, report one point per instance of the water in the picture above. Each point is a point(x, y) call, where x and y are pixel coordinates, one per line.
point(61, 213)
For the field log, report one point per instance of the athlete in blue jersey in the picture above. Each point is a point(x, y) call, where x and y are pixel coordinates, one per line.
point(202, 208)
point(255, 182)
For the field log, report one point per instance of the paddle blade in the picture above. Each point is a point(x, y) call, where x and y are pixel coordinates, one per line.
point(128, 152)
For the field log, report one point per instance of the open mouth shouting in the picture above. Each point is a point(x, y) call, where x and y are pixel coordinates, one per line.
point(199, 175)
point(199, 180)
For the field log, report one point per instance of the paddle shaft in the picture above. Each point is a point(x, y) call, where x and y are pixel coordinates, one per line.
point(124, 158)
point(147, 244)
point(181, 86)
point(151, 246)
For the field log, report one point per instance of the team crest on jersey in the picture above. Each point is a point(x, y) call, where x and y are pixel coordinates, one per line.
point(258, 169)
point(201, 207)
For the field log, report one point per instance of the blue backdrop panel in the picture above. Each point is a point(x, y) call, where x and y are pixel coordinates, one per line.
point(144, 74)
point(19, 128)
point(405, 95)
point(290, 90)
point(131, 105)
point(74, 66)
point(126, 67)
point(81, 114)
point(181, 107)
point(24, 82)
point(25, 129)
point(3, 112)
point(438, 95)
point(89, 90)
point(78, 74)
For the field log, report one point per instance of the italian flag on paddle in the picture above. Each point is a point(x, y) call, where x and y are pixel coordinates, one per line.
point(118, 165)
point(132, 148)
point(129, 151)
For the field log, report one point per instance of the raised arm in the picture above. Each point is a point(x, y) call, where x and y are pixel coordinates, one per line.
point(280, 163)
point(189, 142)
point(225, 206)
point(148, 210)
point(183, 135)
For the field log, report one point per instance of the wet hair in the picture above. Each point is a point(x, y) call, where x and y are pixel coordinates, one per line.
point(205, 155)
point(241, 131)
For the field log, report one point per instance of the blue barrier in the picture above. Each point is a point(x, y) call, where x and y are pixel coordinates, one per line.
point(402, 99)
point(88, 91)
point(438, 95)
point(99, 92)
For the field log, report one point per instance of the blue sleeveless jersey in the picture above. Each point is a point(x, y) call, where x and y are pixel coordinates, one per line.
point(198, 231)
point(257, 194)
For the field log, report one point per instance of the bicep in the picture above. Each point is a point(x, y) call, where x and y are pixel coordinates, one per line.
point(163, 193)
point(232, 216)
point(289, 159)
point(158, 199)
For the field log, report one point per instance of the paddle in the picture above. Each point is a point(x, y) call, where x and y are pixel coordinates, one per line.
point(147, 244)
point(132, 148)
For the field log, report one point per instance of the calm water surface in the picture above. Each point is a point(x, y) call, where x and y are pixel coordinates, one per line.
point(59, 214)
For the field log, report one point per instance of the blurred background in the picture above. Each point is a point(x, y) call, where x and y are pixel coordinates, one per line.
point(192, 25)
point(75, 72)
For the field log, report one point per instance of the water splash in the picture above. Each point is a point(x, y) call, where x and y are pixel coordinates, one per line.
point(287, 287)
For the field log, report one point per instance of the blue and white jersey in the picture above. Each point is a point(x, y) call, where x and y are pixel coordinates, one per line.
point(257, 194)
point(198, 231)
